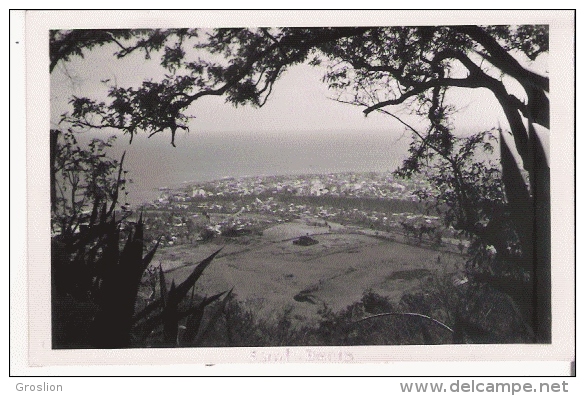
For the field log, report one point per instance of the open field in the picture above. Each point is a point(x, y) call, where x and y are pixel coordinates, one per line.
point(269, 273)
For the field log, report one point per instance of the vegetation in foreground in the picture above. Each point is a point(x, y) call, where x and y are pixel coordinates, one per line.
point(97, 265)
point(440, 313)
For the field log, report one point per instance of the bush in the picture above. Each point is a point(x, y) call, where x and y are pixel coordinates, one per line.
point(440, 313)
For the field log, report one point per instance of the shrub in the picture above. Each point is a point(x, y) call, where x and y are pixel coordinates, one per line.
point(97, 260)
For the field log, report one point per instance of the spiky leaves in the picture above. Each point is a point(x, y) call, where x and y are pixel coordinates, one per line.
point(170, 309)
point(542, 236)
point(530, 205)
point(119, 284)
point(519, 200)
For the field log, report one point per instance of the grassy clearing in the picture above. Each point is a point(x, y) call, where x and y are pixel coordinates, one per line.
point(325, 295)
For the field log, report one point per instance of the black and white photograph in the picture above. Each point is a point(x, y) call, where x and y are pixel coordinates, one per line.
point(300, 185)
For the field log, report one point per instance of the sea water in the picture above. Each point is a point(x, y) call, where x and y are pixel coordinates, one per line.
point(154, 163)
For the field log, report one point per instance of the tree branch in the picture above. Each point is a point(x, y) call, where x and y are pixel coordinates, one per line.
point(502, 59)
point(469, 82)
point(443, 325)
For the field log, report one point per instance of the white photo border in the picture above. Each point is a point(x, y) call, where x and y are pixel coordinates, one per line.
point(400, 358)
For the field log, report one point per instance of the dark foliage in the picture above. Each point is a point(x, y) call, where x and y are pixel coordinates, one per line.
point(98, 260)
point(376, 68)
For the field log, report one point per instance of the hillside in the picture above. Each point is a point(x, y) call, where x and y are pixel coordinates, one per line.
point(270, 273)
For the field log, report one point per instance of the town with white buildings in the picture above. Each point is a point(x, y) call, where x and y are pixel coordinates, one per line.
point(350, 184)
point(241, 206)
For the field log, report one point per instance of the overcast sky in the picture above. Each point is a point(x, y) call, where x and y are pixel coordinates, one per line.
point(300, 100)
point(300, 104)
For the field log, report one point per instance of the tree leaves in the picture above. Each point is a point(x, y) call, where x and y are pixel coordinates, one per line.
point(369, 66)
point(83, 178)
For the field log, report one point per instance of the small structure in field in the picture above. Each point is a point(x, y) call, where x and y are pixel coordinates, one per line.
point(305, 241)
point(234, 232)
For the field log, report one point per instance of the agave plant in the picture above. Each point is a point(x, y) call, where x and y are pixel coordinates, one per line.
point(529, 204)
point(167, 312)
point(95, 281)
point(119, 276)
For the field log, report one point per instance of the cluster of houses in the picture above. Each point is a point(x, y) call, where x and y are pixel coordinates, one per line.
point(370, 184)
point(235, 207)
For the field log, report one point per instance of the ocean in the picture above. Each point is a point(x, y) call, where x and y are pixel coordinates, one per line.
point(154, 163)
